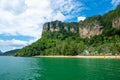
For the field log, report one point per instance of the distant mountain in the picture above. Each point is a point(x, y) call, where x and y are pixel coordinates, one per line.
point(96, 35)
point(11, 52)
point(1, 52)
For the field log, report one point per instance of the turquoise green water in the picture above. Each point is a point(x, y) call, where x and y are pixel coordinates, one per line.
point(23, 68)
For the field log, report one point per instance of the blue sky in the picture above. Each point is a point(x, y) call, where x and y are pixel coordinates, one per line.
point(21, 21)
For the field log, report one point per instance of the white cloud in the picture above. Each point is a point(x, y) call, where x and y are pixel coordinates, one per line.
point(14, 6)
point(81, 18)
point(115, 2)
point(32, 14)
point(13, 44)
point(26, 17)
point(10, 44)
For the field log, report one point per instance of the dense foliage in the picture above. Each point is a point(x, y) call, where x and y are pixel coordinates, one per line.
point(68, 43)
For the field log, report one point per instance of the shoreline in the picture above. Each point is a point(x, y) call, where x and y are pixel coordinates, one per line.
point(106, 57)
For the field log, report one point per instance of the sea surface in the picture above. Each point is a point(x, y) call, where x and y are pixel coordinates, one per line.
point(28, 68)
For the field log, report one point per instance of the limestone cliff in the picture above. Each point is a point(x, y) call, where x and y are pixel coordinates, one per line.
point(116, 23)
point(90, 27)
point(86, 28)
point(53, 26)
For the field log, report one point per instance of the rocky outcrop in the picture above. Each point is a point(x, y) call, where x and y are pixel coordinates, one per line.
point(66, 29)
point(85, 32)
point(46, 27)
point(84, 29)
point(116, 23)
point(90, 28)
point(53, 26)
point(73, 30)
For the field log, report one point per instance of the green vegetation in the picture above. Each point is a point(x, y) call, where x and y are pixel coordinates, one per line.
point(11, 52)
point(67, 42)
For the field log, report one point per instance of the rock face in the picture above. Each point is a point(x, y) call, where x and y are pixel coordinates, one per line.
point(90, 29)
point(58, 25)
point(53, 26)
point(116, 23)
point(85, 32)
point(84, 29)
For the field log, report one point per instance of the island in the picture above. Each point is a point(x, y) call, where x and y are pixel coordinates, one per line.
point(95, 36)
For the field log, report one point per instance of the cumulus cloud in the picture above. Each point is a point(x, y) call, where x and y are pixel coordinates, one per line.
point(81, 18)
point(11, 44)
point(14, 6)
point(115, 2)
point(26, 17)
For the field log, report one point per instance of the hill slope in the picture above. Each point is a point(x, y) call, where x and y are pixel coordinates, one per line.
point(1, 52)
point(97, 35)
point(11, 52)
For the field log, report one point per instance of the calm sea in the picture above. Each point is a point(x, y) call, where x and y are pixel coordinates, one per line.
point(28, 68)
